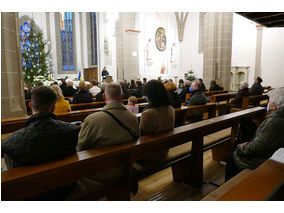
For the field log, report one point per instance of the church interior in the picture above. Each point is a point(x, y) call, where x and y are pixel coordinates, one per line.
point(165, 144)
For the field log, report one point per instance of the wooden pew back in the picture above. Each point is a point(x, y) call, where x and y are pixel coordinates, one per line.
point(24, 182)
point(99, 104)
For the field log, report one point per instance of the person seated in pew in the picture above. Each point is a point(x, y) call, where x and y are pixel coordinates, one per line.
point(102, 128)
point(44, 138)
point(158, 116)
point(268, 139)
point(200, 81)
point(131, 105)
point(69, 90)
point(113, 125)
point(185, 90)
point(132, 84)
point(256, 88)
point(82, 96)
point(144, 81)
point(61, 105)
point(100, 95)
point(214, 86)
point(94, 89)
point(243, 92)
point(197, 98)
point(125, 91)
point(174, 98)
point(138, 92)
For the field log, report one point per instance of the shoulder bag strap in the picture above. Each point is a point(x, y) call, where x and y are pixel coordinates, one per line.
point(120, 123)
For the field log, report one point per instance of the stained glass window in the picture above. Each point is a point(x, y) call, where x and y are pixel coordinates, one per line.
point(27, 45)
point(66, 29)
point(93, 27)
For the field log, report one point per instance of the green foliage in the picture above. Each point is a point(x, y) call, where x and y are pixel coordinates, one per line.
point(36, 60)
point(190, 76)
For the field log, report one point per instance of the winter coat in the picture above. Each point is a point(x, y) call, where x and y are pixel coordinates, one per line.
point(43, 139)
point(138, 93)
point(69, 91)
point(237, 101)
point(256, 89)
point(197, 98)
point(268, 139)
point(82, 96)
point(215, 87)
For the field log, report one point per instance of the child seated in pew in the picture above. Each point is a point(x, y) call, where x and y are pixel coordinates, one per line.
point(131, 105)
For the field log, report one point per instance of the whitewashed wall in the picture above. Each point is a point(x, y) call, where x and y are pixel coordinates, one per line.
point(272, 54)
point(190, 58)
point(272, 62)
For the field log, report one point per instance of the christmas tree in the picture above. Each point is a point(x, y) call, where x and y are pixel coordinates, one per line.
point(190, 75)
point(36, 61)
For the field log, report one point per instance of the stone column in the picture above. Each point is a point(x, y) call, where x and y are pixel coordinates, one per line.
point(217, 47)
point(127, 44)
point(257, 71)
point(12, 88)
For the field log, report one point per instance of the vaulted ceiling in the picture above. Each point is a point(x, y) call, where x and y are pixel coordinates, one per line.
point(266, 19)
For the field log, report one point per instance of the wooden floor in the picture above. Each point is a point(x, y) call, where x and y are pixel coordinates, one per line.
point(161, 186)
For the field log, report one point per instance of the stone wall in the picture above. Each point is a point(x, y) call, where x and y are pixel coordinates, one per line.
point(12, 94)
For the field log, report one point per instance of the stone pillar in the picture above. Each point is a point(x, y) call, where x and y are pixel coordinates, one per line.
point(127, 44)
point(217, 48)
point(12, 92)
point(257, 71)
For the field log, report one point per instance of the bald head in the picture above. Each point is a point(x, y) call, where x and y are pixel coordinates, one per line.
point(113, 92)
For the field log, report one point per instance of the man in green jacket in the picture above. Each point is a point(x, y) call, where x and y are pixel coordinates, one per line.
point(113, 125)
point(269, 138)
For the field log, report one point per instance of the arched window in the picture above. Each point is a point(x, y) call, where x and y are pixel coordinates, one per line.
point(66, 30)
point(93, 29)
point(65, 42)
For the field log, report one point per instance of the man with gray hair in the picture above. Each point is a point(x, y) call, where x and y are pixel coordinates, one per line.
point(113, 125)
point(243, 92)
point(268, 138)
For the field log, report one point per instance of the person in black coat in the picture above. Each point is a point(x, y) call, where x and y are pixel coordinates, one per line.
point(197, 98)
point(185, 90)
point(174, 98)
point(243, 92)
point(105, 73)
point(256, 88)
point(43, 139)
point(132, 84)
point(200, 81)
point(83, 95)
point(138, 93)
point(214, 86)
point(69, 90)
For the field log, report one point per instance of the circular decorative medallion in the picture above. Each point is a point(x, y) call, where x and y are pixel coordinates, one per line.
point(161, 39)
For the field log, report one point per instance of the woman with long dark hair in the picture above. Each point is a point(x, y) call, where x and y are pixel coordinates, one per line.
point(159, 115)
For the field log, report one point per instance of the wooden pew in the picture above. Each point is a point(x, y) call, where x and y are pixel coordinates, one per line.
point(251, 101)
point(23, 182)
point(220, 99)
point(258, 184)
point(182, 113)
point(208, 93)
point(99, 104)
point(13, 124)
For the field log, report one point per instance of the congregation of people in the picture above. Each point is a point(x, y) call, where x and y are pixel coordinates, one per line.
point(45, 138)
